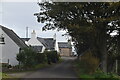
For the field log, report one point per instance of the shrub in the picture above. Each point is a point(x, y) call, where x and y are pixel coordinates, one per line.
point(89, 62)
point(27, 57)
point(40, 58)
point(4, 65)
point(52, 56)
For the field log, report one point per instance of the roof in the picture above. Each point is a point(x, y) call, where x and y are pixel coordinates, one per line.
point(37, 48)
point(63, 45)
point(42, 41)
point(49, 43)
point(14, 37)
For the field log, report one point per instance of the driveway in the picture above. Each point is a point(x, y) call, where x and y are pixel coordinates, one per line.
point(62, 70)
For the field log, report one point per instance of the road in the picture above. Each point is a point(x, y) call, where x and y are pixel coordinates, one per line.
point(62, 70)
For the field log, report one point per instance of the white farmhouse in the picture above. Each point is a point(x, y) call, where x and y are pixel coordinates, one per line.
point(41, 44)
point(10, 45)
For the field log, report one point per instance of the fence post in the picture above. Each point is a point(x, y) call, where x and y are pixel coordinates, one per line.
point(116, 69)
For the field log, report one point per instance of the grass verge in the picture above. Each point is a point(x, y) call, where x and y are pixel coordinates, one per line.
point(5, 76)
point(97, 75)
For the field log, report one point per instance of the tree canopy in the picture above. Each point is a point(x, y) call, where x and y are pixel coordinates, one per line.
point(88, 23)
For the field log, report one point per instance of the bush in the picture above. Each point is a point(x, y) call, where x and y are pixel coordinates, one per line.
point(52, 56)
point(27, 57)
point(40, 58)
point(4, 65)
point(89, 62)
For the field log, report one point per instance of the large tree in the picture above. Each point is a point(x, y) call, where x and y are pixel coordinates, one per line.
point(87, 23)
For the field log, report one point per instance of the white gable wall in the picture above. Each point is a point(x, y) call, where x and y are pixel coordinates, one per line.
point(35, 42)
point(56, 47)
point(9, 50)
point(0, 47)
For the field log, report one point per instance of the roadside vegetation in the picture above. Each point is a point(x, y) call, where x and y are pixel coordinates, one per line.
point(7, 77)
point(4, 75)
point(93, 26)
point(87, 67)
point(29, 60)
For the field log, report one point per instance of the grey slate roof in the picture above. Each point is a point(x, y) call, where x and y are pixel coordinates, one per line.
point(14, 37)
point(49, 43)
point(42, 41)
point(37, 48)
point(63, 45)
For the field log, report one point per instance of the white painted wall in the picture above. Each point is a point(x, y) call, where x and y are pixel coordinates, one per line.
point(9, 50)
point(56, 43)
point(0, 47)
point(0, 56)
point(34, 41)
point(56, 47)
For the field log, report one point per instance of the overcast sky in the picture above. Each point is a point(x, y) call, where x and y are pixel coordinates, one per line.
point(19, 15)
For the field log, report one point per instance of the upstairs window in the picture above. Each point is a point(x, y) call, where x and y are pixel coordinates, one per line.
point(2, 39)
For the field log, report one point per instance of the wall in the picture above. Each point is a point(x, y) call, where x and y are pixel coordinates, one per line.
point(56, 46)
point(9, 50)
point(65, 52)
point(0, 47)
point(35, 42)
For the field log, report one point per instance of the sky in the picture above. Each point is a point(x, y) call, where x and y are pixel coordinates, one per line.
point(17, 16)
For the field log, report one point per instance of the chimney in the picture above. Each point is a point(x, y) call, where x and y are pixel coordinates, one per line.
point(33, 34)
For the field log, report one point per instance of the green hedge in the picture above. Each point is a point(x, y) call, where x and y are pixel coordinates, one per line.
point(52, 56)
point(41, 58)
point(28, 58)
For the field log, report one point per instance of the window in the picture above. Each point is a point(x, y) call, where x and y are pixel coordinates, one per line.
point(21, 50)
point(2, 40)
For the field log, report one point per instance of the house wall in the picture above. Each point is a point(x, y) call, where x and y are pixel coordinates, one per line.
point(0, 47)
point(35, 42)
point(9, 50)
point(56, 46)
point(65, 52)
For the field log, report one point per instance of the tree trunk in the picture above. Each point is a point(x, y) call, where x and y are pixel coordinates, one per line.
point(104, 50)
point(104, 63)
point(102, 39)
point(118, 43)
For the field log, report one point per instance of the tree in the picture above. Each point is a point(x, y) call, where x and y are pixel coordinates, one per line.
point(87, 23)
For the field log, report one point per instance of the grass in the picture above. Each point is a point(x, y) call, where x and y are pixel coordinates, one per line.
point(97, 75)
point(5, 75)
point(60, 60)
point(43, 65)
